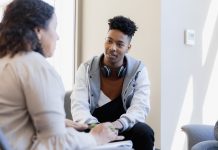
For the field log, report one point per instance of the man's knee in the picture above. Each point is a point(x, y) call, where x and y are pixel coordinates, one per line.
point(144, 131)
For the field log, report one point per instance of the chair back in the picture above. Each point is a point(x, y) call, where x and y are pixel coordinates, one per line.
point(216, 131)
point(67, 105)
point(197, 133)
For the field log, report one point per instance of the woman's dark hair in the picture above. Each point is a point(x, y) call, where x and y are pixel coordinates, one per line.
point(17, 29)
point(122, 24)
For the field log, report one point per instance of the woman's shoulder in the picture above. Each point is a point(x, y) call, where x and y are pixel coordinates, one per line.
point(30, 63)
point(30, 59)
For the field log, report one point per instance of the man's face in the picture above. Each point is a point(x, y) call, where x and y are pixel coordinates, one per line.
point(116, 45)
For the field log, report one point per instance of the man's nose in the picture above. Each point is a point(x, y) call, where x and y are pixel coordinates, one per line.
point(113, 47)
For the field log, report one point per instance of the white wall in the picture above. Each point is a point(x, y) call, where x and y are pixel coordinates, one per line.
point(189, 75)
point(92, 26)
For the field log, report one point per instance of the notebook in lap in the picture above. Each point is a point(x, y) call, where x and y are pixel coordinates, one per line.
point(120, 145)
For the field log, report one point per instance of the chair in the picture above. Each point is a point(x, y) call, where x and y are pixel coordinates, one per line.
point(4, 145)
point(201, 137)
point(67, 105)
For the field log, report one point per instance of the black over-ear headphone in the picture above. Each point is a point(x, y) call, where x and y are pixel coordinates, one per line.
point(106, 71)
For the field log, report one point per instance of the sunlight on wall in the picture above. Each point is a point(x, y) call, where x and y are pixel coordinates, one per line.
point(210, 110)
point(4, 2)
point(1, 12)
point(184, 118)
point(210, 105)
point(209, 29)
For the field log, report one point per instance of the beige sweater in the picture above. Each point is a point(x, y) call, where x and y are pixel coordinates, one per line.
point(32, 106)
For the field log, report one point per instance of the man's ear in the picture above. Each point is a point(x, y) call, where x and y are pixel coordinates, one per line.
point(129, 47)
point(38, 32)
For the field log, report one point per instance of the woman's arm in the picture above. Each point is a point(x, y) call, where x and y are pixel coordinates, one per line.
point(44, 94)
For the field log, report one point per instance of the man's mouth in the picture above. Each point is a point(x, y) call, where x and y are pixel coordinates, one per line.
point(112, 56)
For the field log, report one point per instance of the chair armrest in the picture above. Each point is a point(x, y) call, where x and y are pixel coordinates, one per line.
point(197, 133)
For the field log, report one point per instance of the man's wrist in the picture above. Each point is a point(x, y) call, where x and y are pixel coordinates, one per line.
point(117, 125)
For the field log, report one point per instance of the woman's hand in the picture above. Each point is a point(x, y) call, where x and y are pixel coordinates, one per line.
point(75, 125)
point(105, 133)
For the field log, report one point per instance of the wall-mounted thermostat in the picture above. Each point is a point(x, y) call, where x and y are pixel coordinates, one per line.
point(189, 37)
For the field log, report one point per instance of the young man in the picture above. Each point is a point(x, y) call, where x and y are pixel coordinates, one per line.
point(115, 87)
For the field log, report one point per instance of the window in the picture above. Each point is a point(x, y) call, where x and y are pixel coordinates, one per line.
point(63, 59)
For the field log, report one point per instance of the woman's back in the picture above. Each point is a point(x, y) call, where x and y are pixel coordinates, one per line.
point(19, 76)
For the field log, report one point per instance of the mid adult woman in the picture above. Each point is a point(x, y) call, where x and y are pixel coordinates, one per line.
point(31, 92)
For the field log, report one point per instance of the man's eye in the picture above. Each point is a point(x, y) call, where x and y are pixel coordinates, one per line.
point(110, 41)
point(120, 45)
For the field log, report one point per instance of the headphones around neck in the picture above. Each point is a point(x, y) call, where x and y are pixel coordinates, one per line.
point(107, 71)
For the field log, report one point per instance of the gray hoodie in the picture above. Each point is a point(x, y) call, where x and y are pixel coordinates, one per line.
point(135, 92)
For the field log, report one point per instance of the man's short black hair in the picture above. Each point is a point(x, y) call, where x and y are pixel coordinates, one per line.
point(123, 24)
